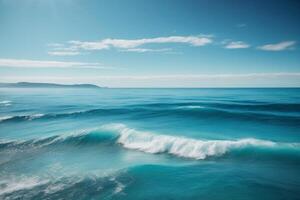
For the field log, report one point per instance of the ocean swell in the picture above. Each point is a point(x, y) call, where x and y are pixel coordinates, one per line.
point(192, 110)
point(148, 142)
point(187, 147)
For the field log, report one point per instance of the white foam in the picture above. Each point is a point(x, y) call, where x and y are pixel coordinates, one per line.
point(35, 116)
point(17, 185)
point(54, 188)
point(29, 117)
point(119, 188)
point(190, 107)
point(180, 146)
point(3, 118)
point(5, 102)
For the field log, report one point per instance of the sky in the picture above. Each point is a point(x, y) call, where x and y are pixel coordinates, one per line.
point(153, 43)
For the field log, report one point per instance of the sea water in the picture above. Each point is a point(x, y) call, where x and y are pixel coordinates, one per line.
point(149, 143)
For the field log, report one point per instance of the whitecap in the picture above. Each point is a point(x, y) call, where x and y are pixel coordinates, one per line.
point(181, 146)
point(17, 185)
point(35, 116)
point(190, 107)
point(3, 118)
point(5, 102)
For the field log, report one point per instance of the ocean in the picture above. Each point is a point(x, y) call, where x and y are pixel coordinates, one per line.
point(216, 144)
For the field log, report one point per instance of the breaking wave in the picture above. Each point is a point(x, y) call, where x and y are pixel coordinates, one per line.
point(3, 118)
point(187, 147)
point(148, 142)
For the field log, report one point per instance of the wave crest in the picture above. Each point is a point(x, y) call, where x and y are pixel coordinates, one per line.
point(153, 143)
point(181, 146)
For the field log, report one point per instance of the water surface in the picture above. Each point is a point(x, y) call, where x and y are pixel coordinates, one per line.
point(149, 143)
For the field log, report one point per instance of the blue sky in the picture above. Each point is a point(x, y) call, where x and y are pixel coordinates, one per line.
point(164, 43)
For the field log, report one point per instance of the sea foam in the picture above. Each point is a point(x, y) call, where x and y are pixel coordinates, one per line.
point(17, 185)
point(3, 118)
point(22, 117)
point(5, 103)
point(181, 146)
point(154, 143)
point(190, 107)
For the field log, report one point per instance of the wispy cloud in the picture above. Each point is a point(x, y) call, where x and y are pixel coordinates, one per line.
point(63, 53)
point(285, 45)
point(58, 49)
point(143, 50)
point(75, 47)
point(4, 62)
point(132, 45)
point(237, 45)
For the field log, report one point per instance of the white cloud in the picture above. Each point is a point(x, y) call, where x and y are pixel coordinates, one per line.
point(143, 50)
point(279, 46)
point(136, 43)
point(88, 45)
point(47, 64)
point(56, 45)
point(61, 50)
point(237, 45)
point(63, 53)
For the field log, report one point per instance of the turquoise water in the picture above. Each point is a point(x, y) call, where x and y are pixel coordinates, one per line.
point(149, 143)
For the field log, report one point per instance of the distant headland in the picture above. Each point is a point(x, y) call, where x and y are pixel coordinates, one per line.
point(46, 85)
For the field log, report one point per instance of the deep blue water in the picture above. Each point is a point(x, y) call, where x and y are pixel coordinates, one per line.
point(149, 144)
